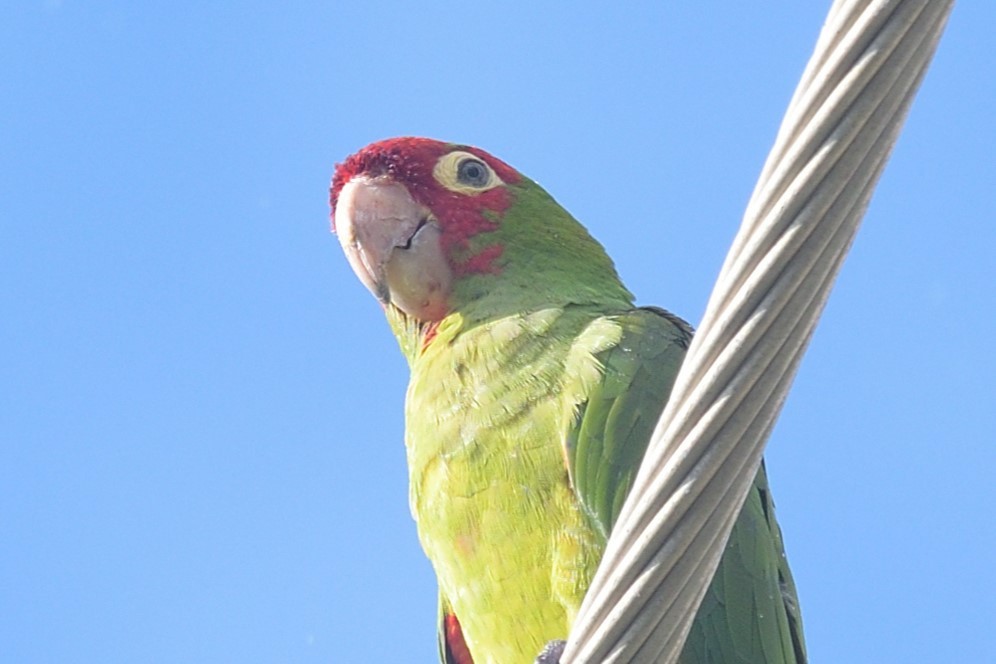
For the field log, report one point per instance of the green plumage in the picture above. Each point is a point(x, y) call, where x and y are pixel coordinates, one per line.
point(528, 412)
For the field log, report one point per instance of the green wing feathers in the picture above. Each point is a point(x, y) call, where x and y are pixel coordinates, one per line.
point(607, 443)
point(750, 614)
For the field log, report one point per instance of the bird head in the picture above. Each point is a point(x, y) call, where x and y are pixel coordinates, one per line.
point(412, 215)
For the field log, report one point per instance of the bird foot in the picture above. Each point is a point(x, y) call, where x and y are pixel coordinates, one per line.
point(551, 653)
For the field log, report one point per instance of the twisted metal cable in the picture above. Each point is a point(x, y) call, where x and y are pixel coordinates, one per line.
point(836, 136)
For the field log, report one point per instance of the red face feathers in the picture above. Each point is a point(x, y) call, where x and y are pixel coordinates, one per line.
point(405, 210)
point(412, 162)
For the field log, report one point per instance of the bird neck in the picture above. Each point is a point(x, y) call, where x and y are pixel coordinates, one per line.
point(547, 260)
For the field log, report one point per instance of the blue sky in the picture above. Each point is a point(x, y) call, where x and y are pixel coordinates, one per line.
point(201, 453)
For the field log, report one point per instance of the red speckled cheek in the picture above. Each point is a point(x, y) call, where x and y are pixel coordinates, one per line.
point(483, 262)
point(463, 217)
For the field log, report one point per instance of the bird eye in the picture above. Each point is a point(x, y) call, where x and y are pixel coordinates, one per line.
point(473, 173)
point(465, 173)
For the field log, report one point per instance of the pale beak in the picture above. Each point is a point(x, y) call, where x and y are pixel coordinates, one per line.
point(393, 245)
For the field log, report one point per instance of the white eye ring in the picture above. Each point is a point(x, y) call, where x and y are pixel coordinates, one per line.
point(465, 173)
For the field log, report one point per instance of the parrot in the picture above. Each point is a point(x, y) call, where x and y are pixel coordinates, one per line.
point(535, 386)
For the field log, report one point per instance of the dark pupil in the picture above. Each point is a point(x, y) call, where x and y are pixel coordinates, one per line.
point(473, 173)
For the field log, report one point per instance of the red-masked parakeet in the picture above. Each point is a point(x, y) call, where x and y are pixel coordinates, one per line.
point(535, 387)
